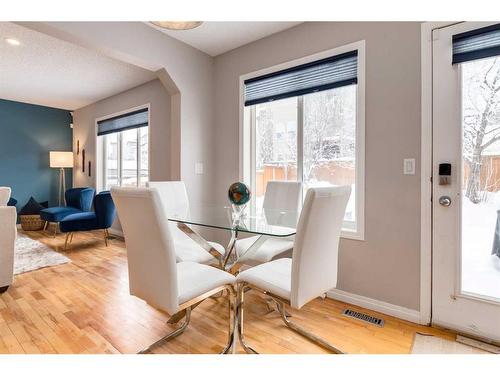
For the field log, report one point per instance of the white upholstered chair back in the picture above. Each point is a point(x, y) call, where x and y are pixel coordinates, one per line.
point(283, 195)
point(150, 249)
point(173, 195)
point(174, 198)
point(4, 195)
point(316, 247)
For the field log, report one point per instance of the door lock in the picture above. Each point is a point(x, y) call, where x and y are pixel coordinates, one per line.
point(445, 201)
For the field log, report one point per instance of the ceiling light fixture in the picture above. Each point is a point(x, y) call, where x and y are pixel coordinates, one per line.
point(177, 25)
point(12, 41)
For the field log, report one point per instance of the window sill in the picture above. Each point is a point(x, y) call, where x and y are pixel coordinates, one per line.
point(352, 235)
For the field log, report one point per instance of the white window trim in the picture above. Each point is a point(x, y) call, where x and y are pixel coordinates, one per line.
point(245, 133)
point(100, 165)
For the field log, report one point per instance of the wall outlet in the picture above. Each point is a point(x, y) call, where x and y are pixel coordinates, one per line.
point(409, 166)
point(198, 168)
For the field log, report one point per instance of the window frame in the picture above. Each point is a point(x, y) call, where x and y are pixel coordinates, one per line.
point(101, 148)
point(247, 130)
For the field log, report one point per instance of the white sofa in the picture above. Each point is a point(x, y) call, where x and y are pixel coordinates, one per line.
point(8, 234)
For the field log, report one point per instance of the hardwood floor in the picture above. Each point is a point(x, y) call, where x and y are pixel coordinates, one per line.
point(84, 307)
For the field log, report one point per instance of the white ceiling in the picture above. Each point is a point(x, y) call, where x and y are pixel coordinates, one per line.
point(48, 71)
point(215, 38)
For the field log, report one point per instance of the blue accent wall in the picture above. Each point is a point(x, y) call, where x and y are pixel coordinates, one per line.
point(27, 133)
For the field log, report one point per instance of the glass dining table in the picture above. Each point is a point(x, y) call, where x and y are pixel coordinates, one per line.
point(264, 223)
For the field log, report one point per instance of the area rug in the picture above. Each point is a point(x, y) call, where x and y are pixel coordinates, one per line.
point(427, 344)
point(32, 255)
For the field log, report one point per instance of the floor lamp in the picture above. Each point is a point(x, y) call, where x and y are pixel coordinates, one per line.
point(61, 160)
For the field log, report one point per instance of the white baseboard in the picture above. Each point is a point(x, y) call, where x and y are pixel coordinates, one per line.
point(375, 305)
point(115, 232)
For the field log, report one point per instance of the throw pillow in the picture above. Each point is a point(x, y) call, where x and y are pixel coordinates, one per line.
point(31, 208)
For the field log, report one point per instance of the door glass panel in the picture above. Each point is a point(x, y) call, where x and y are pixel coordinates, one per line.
point(129, 157)
point(480, 260)
point(276, 144)
point(329, 142)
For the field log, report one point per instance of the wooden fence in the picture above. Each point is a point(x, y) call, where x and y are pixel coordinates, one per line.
point(335, 172)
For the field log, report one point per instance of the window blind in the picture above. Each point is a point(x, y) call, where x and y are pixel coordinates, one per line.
point(476, 44)
point(131, 120)
point(325, 74)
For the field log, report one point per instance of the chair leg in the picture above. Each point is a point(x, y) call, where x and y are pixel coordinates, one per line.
point(55, 229)
point(176, 318)
point(106, 237)
point(71, 237)
point(317, 340)
point(171, 335)
point(239, 322)
point(231, 321)
point(66, 240)
point(45, 225)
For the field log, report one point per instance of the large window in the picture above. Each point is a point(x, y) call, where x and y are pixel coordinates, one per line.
point(125, 149)
point(312, 136)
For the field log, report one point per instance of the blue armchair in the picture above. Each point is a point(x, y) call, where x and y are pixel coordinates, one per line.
point(101, 218)
point(77, 200)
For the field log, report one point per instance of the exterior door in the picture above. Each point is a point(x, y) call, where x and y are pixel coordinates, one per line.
point(466, 200)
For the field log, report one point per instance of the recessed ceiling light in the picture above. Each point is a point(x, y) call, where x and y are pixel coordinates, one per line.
point(177, 25)
point(12, 41)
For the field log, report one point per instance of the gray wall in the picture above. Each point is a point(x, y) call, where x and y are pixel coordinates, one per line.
point(186, 72)
point(386, 266)
point(84, 128)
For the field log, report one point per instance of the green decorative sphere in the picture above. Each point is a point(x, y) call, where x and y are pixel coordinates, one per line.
point(239, 193)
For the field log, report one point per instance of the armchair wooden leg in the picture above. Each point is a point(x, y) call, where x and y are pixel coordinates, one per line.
point(71, 237)
point(55, 229)
point(45, 225)
point(66, 240)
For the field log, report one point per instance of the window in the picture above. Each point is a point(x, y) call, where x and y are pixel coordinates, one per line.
point(314, 134)
point(124, 140)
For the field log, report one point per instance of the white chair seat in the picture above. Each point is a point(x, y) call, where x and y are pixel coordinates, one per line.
point(271, 248)
point(195, 279)
point(275, 277)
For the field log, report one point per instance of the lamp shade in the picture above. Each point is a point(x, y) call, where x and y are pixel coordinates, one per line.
point(61, 159)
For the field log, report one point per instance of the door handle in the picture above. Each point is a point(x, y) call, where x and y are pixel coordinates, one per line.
point(445, 201)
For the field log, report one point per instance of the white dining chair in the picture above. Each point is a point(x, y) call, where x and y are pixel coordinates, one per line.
point(174, 198)
point(279, 196)
point(312, 270)
point(154, 273)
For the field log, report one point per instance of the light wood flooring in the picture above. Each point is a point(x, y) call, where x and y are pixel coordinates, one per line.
point(84, 307)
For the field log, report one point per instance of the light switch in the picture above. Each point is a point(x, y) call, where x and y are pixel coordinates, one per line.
point(409, 166)
point(198, 168)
